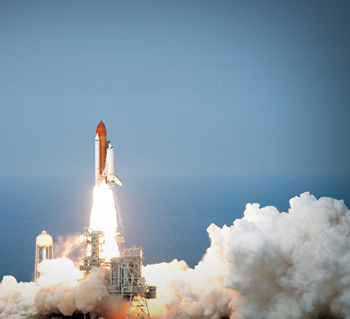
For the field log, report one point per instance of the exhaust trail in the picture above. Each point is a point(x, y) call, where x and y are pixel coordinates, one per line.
point(104, 217)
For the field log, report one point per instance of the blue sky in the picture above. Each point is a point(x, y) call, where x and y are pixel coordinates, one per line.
point(183, 87)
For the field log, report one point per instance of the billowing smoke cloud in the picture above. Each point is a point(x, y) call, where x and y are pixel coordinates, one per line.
point(266, 265)
point(57, 290)
point(70, 246)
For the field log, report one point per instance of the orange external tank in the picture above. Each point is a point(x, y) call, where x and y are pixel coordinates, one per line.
point(102, 132)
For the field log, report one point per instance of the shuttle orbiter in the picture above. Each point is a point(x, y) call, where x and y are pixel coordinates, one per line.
point(104, 158)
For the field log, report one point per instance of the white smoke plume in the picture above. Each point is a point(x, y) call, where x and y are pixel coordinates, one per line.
point(57, 290)
point(266, 265)
point(70, 246)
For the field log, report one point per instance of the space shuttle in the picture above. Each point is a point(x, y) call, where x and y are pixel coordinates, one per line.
point(104, 158)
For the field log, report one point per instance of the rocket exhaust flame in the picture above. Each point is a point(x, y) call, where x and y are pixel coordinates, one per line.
point(104, 217)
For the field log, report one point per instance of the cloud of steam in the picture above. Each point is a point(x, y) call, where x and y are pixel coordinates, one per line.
point(266, 265)
point(70, 246)
point(57, 290)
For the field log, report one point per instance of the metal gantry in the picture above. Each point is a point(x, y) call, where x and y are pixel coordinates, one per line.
point(94, 239)
point(125, 279)
point(123, 274)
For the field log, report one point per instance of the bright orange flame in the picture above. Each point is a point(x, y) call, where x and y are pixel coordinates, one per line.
point(104, 217)
point(118, 310)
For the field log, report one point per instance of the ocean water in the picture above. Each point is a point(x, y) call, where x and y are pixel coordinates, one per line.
point(167, 216)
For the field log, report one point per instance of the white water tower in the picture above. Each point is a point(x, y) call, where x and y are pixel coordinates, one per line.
point(43, 250)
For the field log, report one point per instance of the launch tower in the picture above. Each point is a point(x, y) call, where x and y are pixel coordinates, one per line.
point(125, 279)
point(124, 273)
point(94, 239)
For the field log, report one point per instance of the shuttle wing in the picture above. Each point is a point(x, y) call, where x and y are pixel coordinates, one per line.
point(112, 178)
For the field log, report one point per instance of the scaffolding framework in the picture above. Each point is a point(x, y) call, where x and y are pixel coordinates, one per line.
point(125, 279)
point(138, 308)
point(123, 274)
point(94, 239)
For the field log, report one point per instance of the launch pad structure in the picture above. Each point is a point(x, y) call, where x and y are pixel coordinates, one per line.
point(123, 273)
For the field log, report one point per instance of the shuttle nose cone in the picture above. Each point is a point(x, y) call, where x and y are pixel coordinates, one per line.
point(101, 129)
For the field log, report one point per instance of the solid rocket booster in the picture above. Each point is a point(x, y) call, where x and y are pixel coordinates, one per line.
point(97, 159)
point(104, 158)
